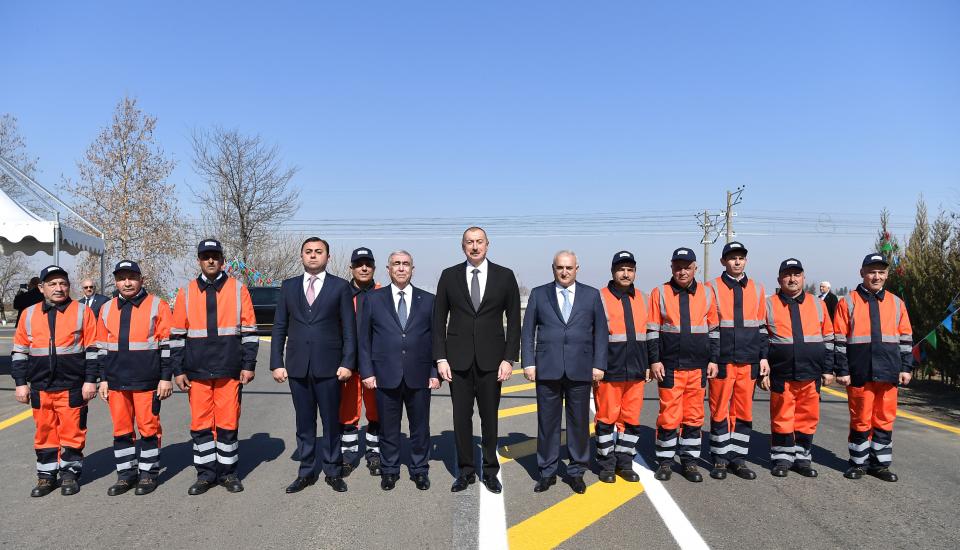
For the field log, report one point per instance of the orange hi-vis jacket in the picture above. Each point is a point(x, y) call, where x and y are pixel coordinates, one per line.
point(683, 327)
point(134, 340)
point(214, 331)
point(874, 337)
point(741, 306)
point(801, 339)
point(63, 362)
point(627, 357)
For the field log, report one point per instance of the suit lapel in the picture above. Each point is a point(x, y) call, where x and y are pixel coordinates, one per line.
point(415, 296)
point(552, 293)
point(577, 302)
point(301, 298)
point(462, 284)
point(491, 282)
point(315, 309)
point(388, 303)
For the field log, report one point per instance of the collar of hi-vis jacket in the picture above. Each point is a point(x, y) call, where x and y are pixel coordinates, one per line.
point(60, 307)
point(216, 284)
point(730, 281)
point(357, 289)
point(136, 300)
point(786, 299)
point(615, 290)
point(865, 293)
point(677, 289)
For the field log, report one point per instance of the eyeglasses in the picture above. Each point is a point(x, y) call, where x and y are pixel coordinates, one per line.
point(88, 287)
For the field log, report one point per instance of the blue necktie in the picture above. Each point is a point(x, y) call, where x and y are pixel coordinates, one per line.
point(402, 311)
point(565, 308)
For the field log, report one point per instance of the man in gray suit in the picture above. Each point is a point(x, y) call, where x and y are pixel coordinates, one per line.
point(564, 342)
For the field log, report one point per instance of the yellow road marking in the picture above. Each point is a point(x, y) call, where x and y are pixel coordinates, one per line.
point(517, 371)
point(265, 338)
point(518, 388)
point(16, 418)
point(516, 411)
point(901, 413)
point(550, 528)
point(527, 447)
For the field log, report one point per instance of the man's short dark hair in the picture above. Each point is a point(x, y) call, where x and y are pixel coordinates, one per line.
point(475, 228)
point(35, 281)
point(326, 245)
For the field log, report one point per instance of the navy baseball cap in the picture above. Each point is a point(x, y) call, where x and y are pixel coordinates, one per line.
point(53, 270)
point(209, 245)
point(361, 254)
point(623, 257)
point(683, 254)
point(733, 246)
point(875, 258)
point(790, 263)
point(127, 265)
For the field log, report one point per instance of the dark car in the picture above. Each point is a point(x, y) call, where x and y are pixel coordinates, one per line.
point(264, 306)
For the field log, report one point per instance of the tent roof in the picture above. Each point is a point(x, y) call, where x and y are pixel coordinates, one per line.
point(23, 231)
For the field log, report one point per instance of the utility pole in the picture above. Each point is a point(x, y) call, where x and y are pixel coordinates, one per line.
point(709, 224)
point(733, 199)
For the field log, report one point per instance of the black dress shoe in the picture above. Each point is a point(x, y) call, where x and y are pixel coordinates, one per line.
point(44, 487)
point(462, 482)
point(199, 487)
point(741, 471)
point(422, 481)
point(374, 466)
point(69, 486)
point(692, 473)
point(607, 477)
point(805, 470)
point(146, 485)
point(232, 483)
point(544, 483)
point(628, 475)
point(664, 471)
point(120, 487)
point(346, 469)
point(779, 470)
point(883, 473)
point(300, 484)
point(853, 472)
point(337, 482)
point(388, 481)
point(492, 484)
point(719, 471)
point(578, 486)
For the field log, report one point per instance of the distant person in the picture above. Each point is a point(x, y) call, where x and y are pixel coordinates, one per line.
point(564, 343)
point(91, 297)
point(28, 295)
point(874, 356)
point(828, 298)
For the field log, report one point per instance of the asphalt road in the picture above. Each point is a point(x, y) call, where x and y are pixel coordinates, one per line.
point(794, 512)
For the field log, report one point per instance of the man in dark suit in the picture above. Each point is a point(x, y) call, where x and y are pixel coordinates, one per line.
point(91, 297)
point(473, 351)
point(828, 297)
point(315, 313)
point(395, 360)
point(565, 352)
point(28, 297)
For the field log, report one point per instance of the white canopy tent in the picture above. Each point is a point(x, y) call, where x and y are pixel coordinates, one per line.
point(21, 230)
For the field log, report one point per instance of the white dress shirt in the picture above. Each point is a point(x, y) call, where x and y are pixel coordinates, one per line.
point(570, 296)
point(484, 267)
point(317, 285)
point(407, 295)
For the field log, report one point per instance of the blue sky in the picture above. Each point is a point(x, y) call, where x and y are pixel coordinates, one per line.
point(471, 111)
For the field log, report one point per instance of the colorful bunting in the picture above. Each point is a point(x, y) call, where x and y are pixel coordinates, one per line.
point(948, 322)
point(932, 338)
point(236, 267)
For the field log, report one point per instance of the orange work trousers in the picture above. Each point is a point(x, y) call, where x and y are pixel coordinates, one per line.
point(796, 409)
point(872, 406)
point(683, 403)
point(129, 407)
point(214, 404)
point(619, 403)
point(352, 396)
point(61, 432)
point(731, 398)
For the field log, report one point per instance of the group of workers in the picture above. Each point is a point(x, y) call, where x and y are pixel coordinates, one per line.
point(345, 346)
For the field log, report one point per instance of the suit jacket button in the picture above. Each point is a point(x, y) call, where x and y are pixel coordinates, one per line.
point(404, 352)
point(403, 335)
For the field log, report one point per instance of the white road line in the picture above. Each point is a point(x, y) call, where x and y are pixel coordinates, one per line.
point(493, 519)
point(680, 527)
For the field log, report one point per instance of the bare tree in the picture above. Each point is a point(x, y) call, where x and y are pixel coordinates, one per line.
point(14, 148)
point(14, 270)
point(123, 189)
point(246, 192)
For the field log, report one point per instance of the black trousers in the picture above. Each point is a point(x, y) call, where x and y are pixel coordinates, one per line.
point(312, 395)
point(483, 387)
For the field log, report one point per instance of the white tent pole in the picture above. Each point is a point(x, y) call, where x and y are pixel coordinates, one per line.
point(103, 277)
point(56, 241)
